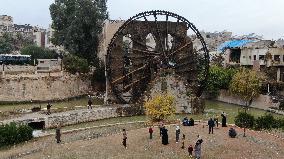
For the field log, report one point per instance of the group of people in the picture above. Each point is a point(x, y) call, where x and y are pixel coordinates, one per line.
point(212, 122)
point(165, 138)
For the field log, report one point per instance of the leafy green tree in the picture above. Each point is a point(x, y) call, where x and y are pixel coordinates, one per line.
point(13, 42)
point(244, 120)
point(218, 78)
point(20, 41)
point(99, 73)
point(246, 84)
point(38, 52)
point(6, 43)
point(77, 25)
point(74, 64)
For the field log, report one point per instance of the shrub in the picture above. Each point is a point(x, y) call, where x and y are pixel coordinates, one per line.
point(244, 120)
point(265, 122)
point(160, 107)
point(37, 52)
point(74, 64)
point(281, 106)
point(13, 134)
point(278, 123)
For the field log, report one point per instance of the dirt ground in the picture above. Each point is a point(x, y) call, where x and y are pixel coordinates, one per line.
point(257, 145)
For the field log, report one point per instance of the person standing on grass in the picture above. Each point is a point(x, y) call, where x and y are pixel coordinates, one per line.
point(90, 102)
point(124, 138)
point(48, 106)
point(58, 134)
point(211, 125)
point(151, 132)
point(177, 133)
point(224, 119)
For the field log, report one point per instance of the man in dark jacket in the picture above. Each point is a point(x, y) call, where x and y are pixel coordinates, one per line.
point(48, 106)
point(211, 124)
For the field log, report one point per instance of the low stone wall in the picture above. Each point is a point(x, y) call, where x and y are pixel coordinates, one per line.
point(27, 69)
point(14, 69)
point(81, 116)
point(262, 102)
point(71, 117)
point(42, 87)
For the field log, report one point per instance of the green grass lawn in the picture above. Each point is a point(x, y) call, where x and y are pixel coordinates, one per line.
point(212, 108)
point(216, 108)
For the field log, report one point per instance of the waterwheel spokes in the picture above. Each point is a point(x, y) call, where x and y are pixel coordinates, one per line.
point(149, 41)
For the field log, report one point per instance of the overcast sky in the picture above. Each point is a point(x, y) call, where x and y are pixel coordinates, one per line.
point(263, 17)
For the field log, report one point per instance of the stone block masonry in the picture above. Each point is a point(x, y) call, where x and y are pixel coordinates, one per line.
point(70, 117)
point(172, 85)
point(42, 87)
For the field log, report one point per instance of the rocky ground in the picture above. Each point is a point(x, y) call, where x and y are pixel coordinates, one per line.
point(105, 142)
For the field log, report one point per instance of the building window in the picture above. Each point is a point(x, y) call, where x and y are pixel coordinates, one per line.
point(277, 58)
point(254, 57)
point(261, 57)
point(250, 57)
point(244, 56)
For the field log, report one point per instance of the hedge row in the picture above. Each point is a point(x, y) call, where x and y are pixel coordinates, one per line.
point(12, 133)
point(265, 122)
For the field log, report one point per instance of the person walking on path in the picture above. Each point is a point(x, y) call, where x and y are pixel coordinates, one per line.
point(211, 125)
point(151, 132)
point(124, 138)
point(197, 147)
point(48, 106)
point(177, 133)
point(58, 134)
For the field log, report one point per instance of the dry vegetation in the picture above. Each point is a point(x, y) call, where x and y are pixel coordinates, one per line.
point(106, 143)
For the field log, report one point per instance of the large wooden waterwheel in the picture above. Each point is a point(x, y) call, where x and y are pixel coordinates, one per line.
point(153, 41)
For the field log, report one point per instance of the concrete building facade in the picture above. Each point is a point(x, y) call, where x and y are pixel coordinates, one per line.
point(256, 54)
point(35, 32)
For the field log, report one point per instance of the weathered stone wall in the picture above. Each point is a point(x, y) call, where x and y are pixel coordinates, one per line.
point(71, 117)
point(262, 102)
point(10, 69)
point(80, 116)
point(28, 69)
point(174, 86)
point(42, 87)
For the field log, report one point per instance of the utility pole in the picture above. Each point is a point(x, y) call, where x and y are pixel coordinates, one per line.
point(106, 94)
